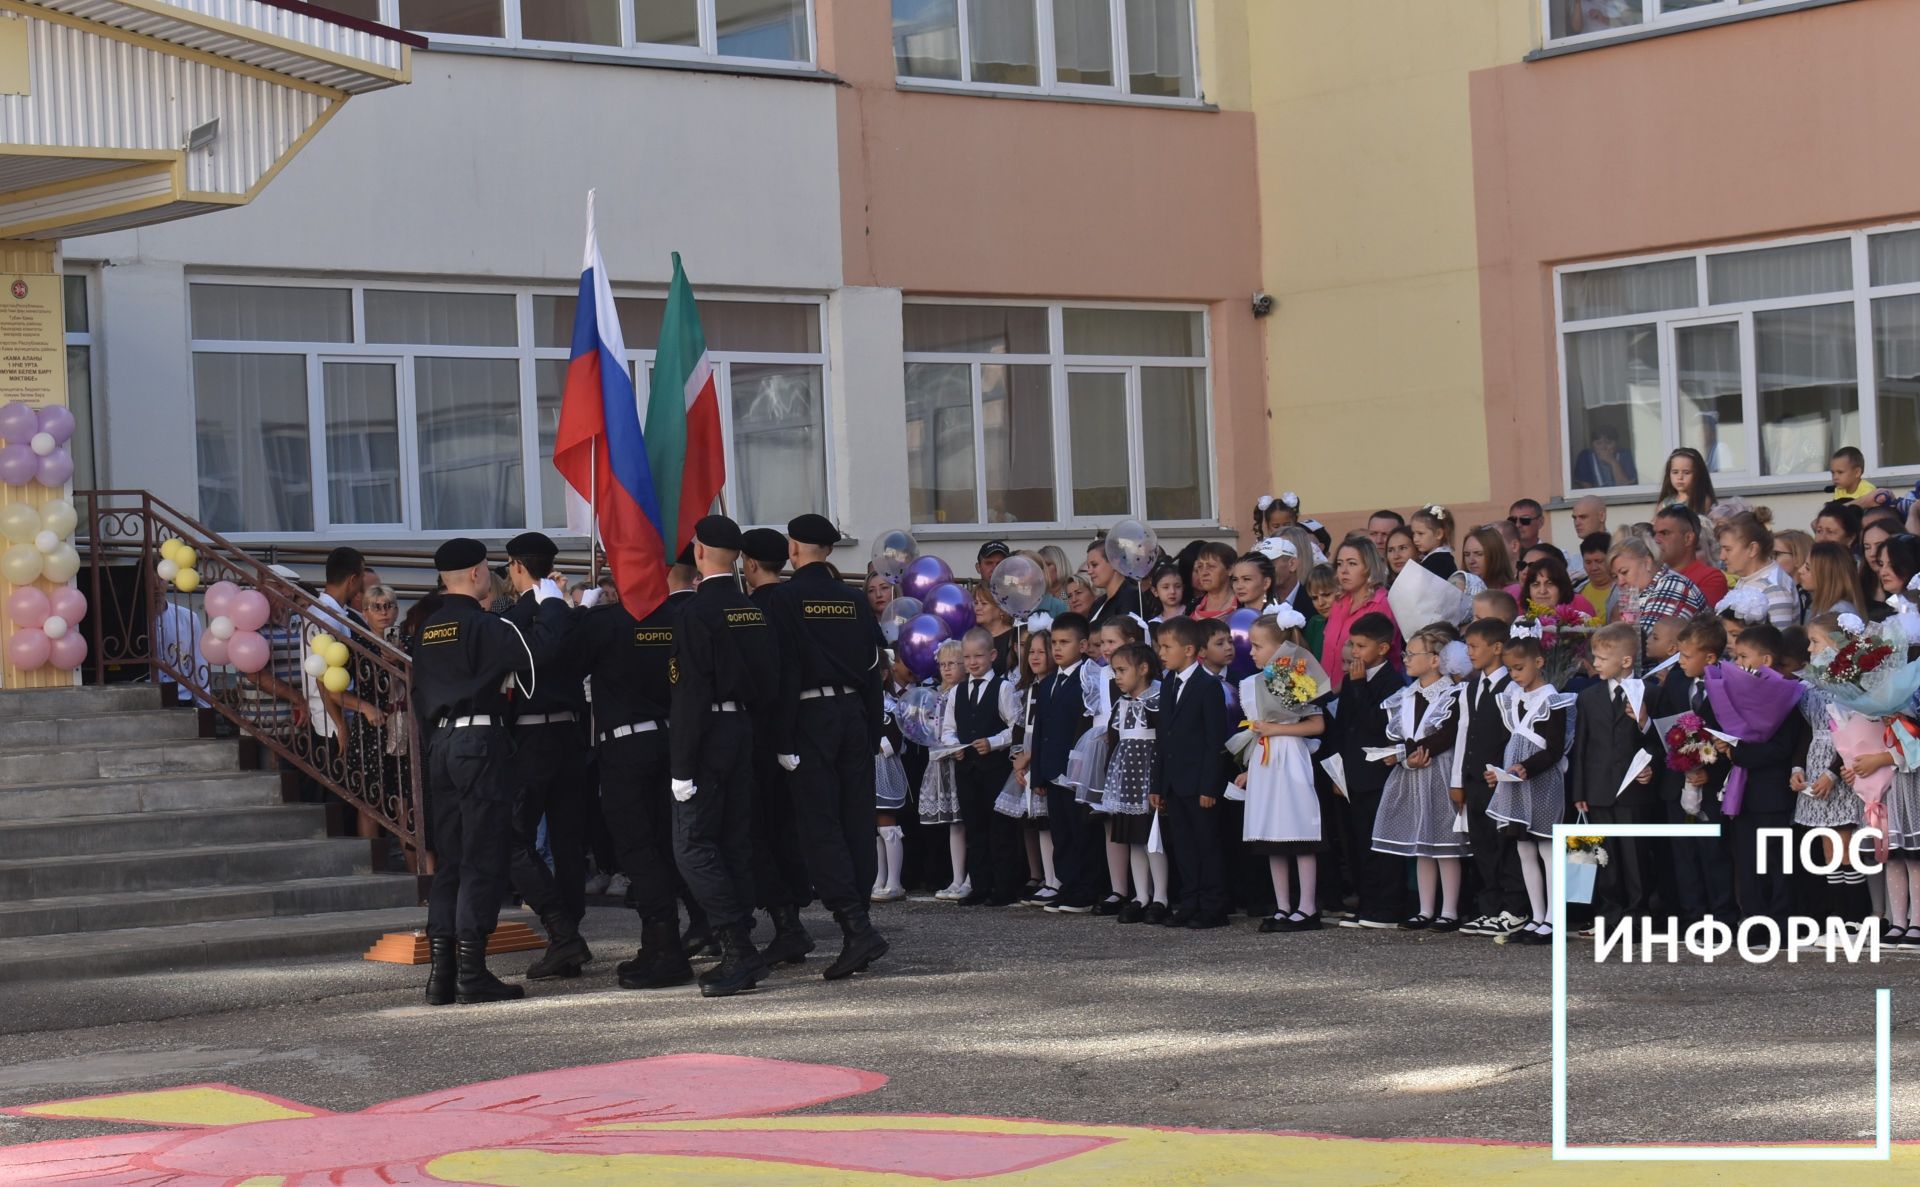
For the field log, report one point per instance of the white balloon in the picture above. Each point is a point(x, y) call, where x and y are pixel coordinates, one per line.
point(54, 627)
point(46, 542)
point(221, 627)
point(315, 666)
point(42, 444)
point(167, 570)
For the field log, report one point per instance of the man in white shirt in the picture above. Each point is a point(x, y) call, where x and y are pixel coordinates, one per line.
point(327, 710)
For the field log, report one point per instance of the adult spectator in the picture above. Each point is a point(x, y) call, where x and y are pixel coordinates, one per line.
point(1839, 523)
point(989, 557)
point(1212, 581)
point(1379, 525)
point(1527, 517)
point(1484, 554)
point(1361, 575)
point(1677, 532)
point(1598, 584)
point(1052, 604)
point(1602, 464)
point(1119, 593)
point(1545, 587)
point(1830, 580)
point(1283, 551)
point(1589, 516)
point(1648, 589)
point(1746, 549)
point(1059, 570)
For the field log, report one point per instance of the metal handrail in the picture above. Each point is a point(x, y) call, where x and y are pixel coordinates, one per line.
point(138, 620)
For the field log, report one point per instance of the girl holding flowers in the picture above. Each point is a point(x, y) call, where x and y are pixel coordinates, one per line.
point(1283, 811)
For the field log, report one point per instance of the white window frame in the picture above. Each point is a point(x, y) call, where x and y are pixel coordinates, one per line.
point(706, 52)
point(1059, 363)
point(90, 338)
point(524, 354)
point(1655, 17)
point(1048, 65)
point(1860, 295)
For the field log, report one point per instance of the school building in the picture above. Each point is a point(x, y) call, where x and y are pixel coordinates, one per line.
point(1655, 223)
point(982, 270)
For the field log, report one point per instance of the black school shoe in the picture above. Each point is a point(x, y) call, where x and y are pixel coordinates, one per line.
point(1417, 923)
point(1157, 914)
point(1444, 924)
point(1110, 905)
point(1180, 918)
point(1277, 922)
point(1205, 922)
point(1299, 922)
point(1131, 912)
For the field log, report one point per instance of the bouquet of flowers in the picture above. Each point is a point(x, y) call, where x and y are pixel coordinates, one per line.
point(1871, 671)
point(1586, 851)
point(1563, 636)
point(1585, 857)
point(1750, 706)
point(1289, 683)
point(1689, 745)
point(1283, 691)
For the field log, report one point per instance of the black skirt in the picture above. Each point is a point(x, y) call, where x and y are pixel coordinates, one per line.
point(1130, 830)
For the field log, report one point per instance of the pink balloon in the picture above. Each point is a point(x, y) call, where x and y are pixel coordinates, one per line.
point(28, 607)
point(28, 649)
point(18, 464)
point(248, 652)
point(69, 603)
point(57, 422)
point(215, 649)
point(220, 597)
point(69, 651)
point(249, 611)
point(56, 467)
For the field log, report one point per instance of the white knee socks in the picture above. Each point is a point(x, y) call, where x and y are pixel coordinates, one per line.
point(1897, 873)
point(1427, 872)
point(1117, 866)
point(1157, 866)
point(1450, 872)
point(1307, 867)
point(1047, 875)
point(957, 853)
point(1282, 875)
point(1534, 871)
point(893, 851)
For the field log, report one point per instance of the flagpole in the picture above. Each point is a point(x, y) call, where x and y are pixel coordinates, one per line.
point(593, 516)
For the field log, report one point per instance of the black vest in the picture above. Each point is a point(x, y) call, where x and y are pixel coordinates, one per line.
point(973, 722)
point(1486, 740)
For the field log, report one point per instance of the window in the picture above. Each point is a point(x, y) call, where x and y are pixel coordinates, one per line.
point(1052, 414)
point(1118, 49)
point(1766, 358)
point(384, 409)
point(776, 31)
point(80, 385)
point(1581, 21)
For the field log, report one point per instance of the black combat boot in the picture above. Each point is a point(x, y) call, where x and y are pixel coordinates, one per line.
point(739, 968)
point(860, 947)
point(659, 963)
point(700, 942)
point(566, 951)
point(440, 972)
point(475, 984)
point(790, 943)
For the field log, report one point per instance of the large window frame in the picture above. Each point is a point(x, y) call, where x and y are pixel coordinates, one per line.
point(86, 406)
point(1047, 64)
point(1657, 16)
point(1061, 364)
point(706, 52)
point(525, 355)
point(1859, 297)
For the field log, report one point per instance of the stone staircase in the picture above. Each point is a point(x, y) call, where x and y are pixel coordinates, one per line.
point(130, 844)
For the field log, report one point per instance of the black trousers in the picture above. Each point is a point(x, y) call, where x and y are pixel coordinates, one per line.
point(551, 764)
point(635, 798)
point(713, 831)
point(779, 868)
point(470, 790)
point(833, 800)
point(1495, 859)
point(1382, 877)
point(1702, 870)
point(979, 780)
point(1192, 835)
point(1620, 888)
point(1768, 894)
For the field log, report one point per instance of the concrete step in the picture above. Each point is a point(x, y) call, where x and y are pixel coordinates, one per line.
point(76, 836)
point(165, 908)
point(96, 729)
point(154, 793)
point(79, 701)
point(197, 945)
point(116, 761)
point(166, 869)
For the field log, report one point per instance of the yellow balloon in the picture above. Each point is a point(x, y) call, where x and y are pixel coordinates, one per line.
point(337, 655)
point(21, 564)
point(336, 679)
point(61, 565)
point(60, 518)
point(185, 557)
point(19, 522)
point(168, 547)
point(319, 643)
point(187, 580)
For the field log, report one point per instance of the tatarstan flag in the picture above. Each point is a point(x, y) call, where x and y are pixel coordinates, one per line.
point(684, 448)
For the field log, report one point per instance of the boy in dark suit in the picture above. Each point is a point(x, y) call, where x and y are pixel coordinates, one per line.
point(1189, 773)
point(1482, 739)
point(1360, 722)
point(1702, 872)
point(1769, 797)
point(1059, 718)
point(1609, 729)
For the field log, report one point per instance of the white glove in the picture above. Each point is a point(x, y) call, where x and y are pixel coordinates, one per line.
point(789, 761)
point(886, 748)
point(1690, 800)
point(591, 598)
point(546, 588)
point(683, 790)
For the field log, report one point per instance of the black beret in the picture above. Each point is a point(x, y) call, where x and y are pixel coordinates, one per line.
point(686, 555)
point(765, 545)
point(535, 544)
point(457, 554)
point(717, 531)
point(813, 529)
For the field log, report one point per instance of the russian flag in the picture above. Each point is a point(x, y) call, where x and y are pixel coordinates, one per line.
point(600, 448)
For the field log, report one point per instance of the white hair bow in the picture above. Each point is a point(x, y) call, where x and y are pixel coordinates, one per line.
point(1852, 624)
point(1287, 618)
point(1435, 510)
point(1290, 501)
point(1745, 603)
point(1264, 502)
point(1524, 629)
point(1144, 628)
point(1454, 660)
point(1040, 622)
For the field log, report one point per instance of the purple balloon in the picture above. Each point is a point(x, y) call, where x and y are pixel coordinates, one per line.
point(952, 605)
point(57, 422)
point(18, 423)
point(923, 576)
point(55, 468)
point(18, 464)
point(919, 644)
point(1240, 623)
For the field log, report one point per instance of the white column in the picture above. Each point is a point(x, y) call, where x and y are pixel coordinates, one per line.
point(867, 416)
point(144, 419)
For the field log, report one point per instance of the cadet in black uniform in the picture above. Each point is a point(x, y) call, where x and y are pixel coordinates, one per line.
point(630, 664)
point(461, 660)
point(779, 868)
point(837, 730)
point(725, 661)
point(550, 753)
